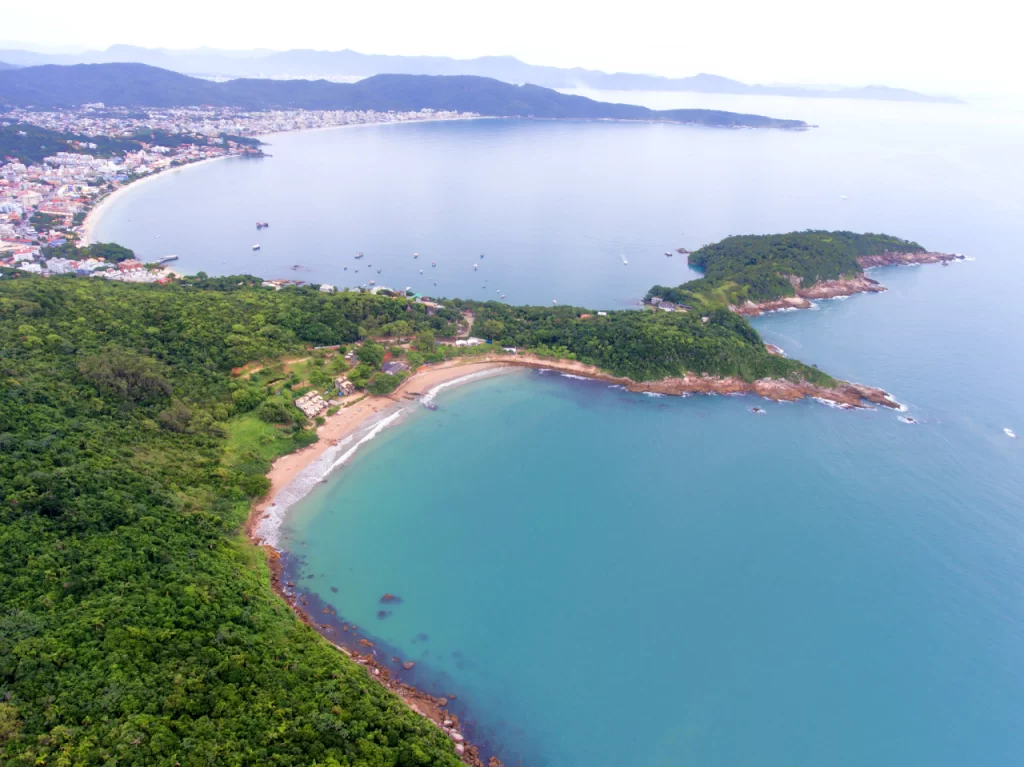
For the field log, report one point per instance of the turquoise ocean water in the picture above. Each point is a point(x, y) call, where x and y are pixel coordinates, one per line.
point(606, 578)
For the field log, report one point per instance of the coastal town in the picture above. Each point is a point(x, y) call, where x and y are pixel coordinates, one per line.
point(87, 154)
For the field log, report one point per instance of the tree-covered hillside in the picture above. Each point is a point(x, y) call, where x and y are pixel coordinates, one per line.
point(133, 85)
point(29, 144)
point(642, 345)
point(137, 628)
point(759, 267)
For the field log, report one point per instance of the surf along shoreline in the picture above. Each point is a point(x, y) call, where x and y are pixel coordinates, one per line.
point(364, 418)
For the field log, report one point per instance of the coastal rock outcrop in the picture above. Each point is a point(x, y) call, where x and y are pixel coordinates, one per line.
point(907, 259)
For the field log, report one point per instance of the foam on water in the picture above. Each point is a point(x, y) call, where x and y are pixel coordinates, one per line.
point(430, 395)
point(269, 529)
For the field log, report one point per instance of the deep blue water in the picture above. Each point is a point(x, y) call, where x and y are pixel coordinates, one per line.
point(607, 578)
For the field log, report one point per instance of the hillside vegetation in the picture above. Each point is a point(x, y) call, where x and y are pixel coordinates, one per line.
point(760, 267)
point(138, 626)
point(138, 85)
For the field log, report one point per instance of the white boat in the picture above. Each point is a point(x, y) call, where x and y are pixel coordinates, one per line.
point(415, 255)
point(668, 253)
point(421, 271)
point(255, 247)
point(475, 267)
point(433, 263)
point(359, 254)
point(1010, 433)
point(373, 282)
point(625, 260)
point(554, 301)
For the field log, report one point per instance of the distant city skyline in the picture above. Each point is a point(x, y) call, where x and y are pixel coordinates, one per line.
point(900, 44)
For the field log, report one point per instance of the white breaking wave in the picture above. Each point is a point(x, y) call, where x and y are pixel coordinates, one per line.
point(653, 394)
point(617, 386)
point(830, 403)
point(269, 529)
point(430, 395)
point(573, 375)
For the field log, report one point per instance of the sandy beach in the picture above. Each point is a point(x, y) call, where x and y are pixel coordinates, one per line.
point(348, 420)
point(96, 213)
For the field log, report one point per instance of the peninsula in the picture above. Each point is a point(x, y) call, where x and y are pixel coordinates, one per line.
point(138, 85)
point(753, 274)
point(141, 422)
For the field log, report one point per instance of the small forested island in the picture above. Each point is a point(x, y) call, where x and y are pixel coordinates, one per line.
point(752, 274)
point(139, 423)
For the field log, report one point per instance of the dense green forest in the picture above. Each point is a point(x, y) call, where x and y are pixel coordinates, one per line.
point(138, 626)
point(109, 251)
point(29, 144)
point(641, 345)
point(758, 267)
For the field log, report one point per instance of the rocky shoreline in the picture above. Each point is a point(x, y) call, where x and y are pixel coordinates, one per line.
point(845, 394)
point(345, 637)
point(431, 707)
point(844, 286)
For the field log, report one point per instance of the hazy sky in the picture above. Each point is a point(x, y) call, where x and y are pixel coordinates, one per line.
point(932, 46)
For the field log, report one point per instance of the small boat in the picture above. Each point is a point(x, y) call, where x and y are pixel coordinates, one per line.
point(475, 267)
point(421, 271)
point(1010, 433)
point(165, 259)
point(378, 271)
point(346, 269)
point(372, 282)
point(433, 263)
point(255, 247)
point(481, 255)
point(430, 406)
point(502, 295)
point(668, 253)
point(757, 410)
point(359, 254)
point(555, 302)
point(625, 260)
point(415, 255)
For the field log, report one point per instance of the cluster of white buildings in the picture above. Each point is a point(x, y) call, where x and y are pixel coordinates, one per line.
point(99, 120)
point(311, 404)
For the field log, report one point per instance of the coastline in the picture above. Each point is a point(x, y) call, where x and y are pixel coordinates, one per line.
point(844, 286)
point(96, 212)
point(339, 432)
point(101, 205)
point(343, 425)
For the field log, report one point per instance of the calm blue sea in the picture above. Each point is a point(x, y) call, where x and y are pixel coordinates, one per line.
point(606, 578)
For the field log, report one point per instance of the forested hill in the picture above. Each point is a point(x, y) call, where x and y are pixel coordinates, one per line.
point(138, 85)
point(30, 144)
point(137, 626)
point(759, 267)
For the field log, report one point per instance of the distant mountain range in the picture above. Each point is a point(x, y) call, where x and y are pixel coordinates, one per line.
point(4, 65)
point(139, 85)
point(309, 64)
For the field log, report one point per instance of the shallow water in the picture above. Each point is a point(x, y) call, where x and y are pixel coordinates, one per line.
point(606, 578)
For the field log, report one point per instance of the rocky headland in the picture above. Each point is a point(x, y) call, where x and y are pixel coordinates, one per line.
point(844, 286)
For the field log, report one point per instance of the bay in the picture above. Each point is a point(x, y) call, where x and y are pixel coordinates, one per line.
point(606, 578)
